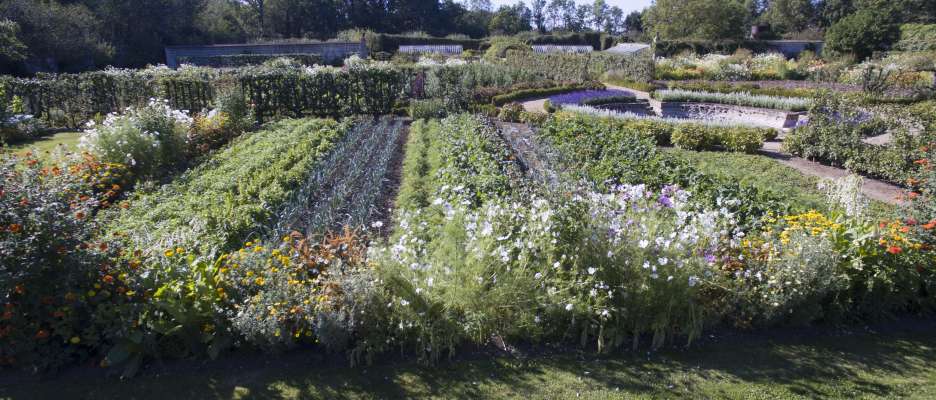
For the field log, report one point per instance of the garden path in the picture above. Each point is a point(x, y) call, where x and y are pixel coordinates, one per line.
point(873, 188)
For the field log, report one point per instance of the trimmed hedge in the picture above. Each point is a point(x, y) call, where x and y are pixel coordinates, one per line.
point(273, 91)
point(583, 67)
point(241, 60)
point(542, 92)
point(667, 48)
point(917, 37)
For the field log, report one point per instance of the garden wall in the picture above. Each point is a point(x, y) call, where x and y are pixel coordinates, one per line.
point(767, 118)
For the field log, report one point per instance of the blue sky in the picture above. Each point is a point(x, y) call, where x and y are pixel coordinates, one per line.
point(626, 5)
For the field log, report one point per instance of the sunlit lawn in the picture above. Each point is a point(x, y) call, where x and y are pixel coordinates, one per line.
point(899, 363)
point(46, 146)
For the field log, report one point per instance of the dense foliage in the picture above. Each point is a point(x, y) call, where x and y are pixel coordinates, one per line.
point(591, 66)
point(838, 130)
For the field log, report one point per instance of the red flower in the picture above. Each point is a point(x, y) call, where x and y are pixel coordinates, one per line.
point(108, 279)
point(894, 250)
point(42, 334)
point(911, 221)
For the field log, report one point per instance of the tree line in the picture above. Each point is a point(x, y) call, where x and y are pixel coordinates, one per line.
point(73, 35)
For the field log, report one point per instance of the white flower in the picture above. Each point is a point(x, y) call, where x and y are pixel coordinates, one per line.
point(592, 270)
point(663, 261)
point(643, 244)
point(693, 280)
point(569, 307)
point(377, 225)
point(404, 303)
point(538, 276)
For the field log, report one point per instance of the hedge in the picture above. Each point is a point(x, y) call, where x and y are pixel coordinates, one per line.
point(543, 92)
point(583, 67)
point(667, 48)
point(274, 92)
point(917, 37)
point(241, 60)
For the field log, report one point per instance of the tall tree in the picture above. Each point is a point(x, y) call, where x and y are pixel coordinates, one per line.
point(538, 14)
point(511, 20)
point(259, 7)
point(696, 19)
point(633, 22)
point(789, 16)
point(600, 12)
point(614, 24)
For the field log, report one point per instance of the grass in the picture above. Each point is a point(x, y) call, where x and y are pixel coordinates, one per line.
point(897, 363)
point(767, 174)
point(46, 146)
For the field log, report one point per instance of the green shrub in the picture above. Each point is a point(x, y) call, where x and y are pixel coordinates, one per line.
point(693, 137)
point(862, 33)
point(836, 132)
point(150, 140)
point(510, 112)
point(241, 60)
point(500, 45)
point(742, 140)
point(427, 109)
point(917, 37)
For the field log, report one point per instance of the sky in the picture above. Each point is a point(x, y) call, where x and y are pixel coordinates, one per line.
point(626, 5)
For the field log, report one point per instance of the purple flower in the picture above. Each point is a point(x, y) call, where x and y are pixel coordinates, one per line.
point(584, 95)
point(665, 201)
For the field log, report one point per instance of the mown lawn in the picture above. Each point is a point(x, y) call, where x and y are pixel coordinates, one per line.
point(46, 146)
point(767, 174)
point(898, 362)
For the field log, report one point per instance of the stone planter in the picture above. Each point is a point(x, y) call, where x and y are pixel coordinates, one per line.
point(768, 118)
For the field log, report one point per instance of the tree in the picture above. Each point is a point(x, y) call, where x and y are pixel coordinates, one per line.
point(614, 24)
point(696, 19)
point(560, 13)
point(511, 20)
point(633, 22)
point(600, 13)
point(11, 48)
point(789, 16)
point(862, 33)
point(579, 22)
point(58, 37)
point(538, 14)
point(259, 7)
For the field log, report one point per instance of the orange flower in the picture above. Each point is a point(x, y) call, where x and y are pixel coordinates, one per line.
point(904, 229)
point(42, 334)
point(79, 215)
point(14, 228)
point(921, 162)
point(894, 250)
point(929, 226)
point(108, 279)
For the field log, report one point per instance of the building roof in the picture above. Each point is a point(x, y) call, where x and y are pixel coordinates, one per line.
point(626, 48)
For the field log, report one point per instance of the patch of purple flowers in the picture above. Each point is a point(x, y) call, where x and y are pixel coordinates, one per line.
point(582, 96)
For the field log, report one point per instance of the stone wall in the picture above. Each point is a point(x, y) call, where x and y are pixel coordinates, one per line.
point(768, 118)
point(330, 52)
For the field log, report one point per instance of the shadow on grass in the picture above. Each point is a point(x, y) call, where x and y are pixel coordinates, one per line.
point(812, 364)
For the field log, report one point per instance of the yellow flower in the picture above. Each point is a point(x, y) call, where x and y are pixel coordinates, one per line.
point(179, 250)
point(75, 340)
point(168, 253)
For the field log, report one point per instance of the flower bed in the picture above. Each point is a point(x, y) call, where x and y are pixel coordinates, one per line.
point(690, 133)
point(593, 97)
point(738, 99)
